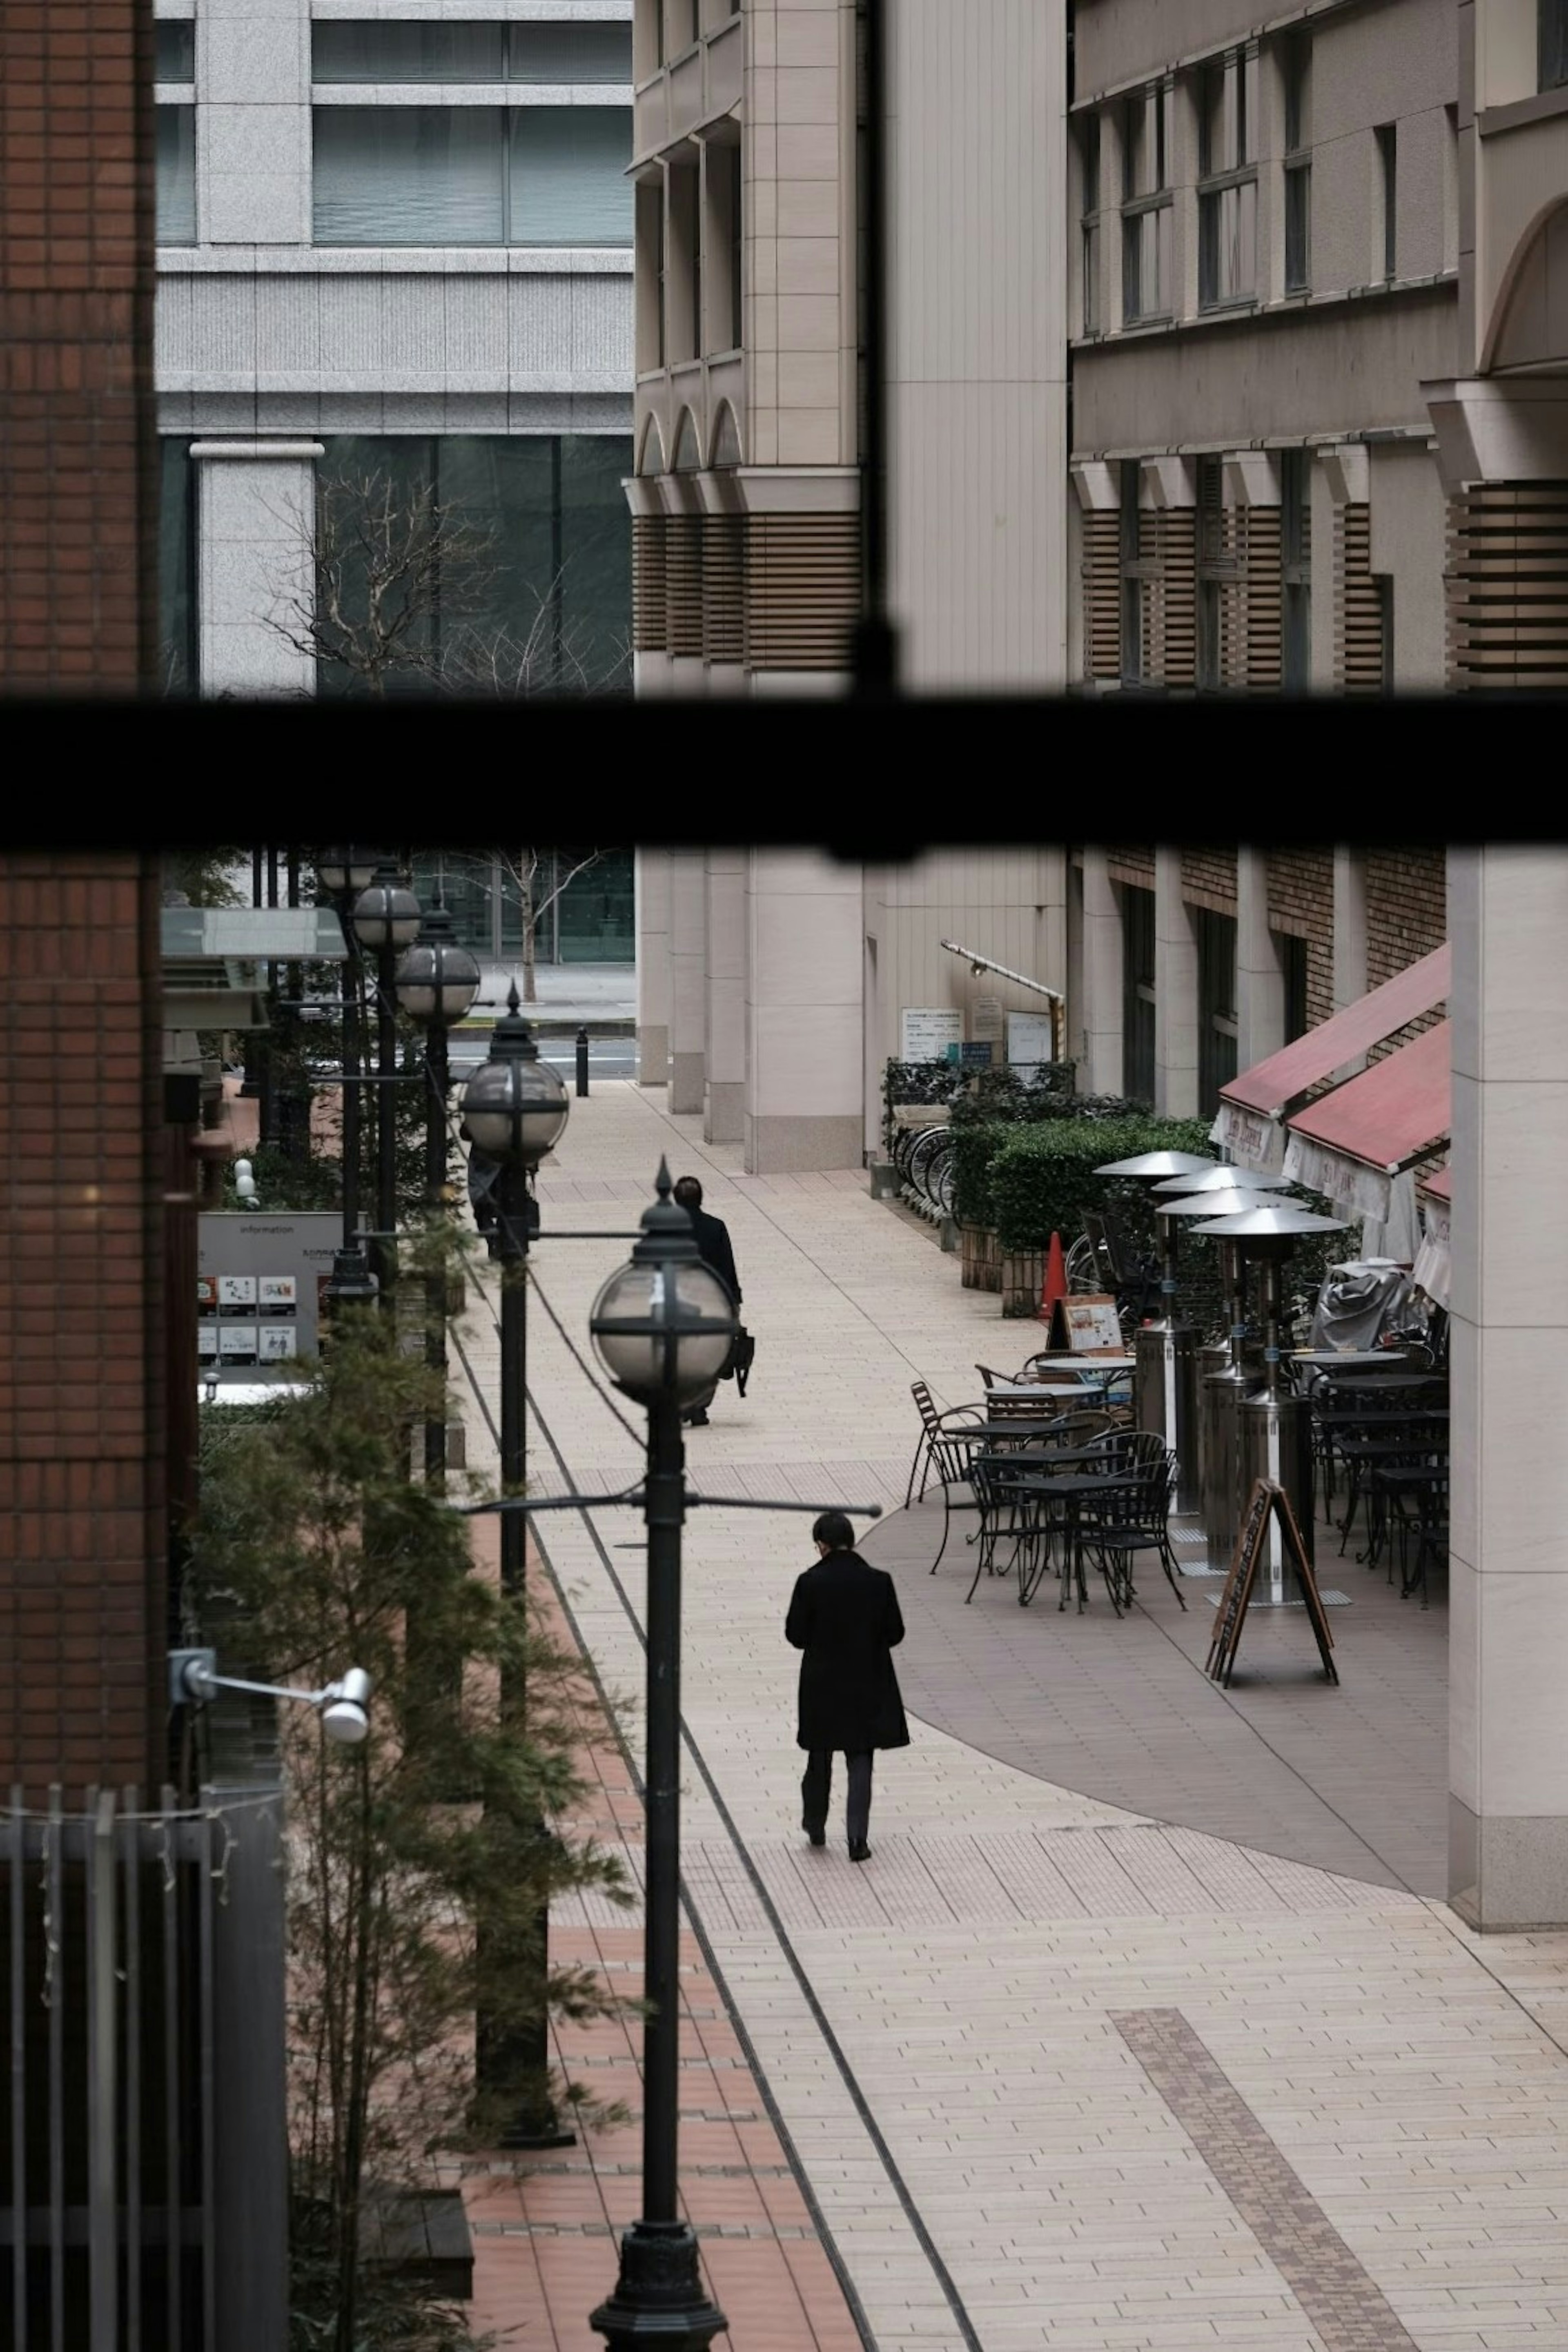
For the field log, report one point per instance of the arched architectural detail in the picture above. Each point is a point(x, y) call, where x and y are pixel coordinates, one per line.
point(687, 446)
point(1528, 325)
point(726, 450)
point(650, 450)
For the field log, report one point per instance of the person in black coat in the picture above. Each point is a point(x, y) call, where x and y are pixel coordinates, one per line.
point(844, 1615)
point(713, 1247)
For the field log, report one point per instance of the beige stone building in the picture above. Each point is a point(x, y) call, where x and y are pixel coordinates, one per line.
point(1502, 419)
point(1265, 271)
point(748, 156)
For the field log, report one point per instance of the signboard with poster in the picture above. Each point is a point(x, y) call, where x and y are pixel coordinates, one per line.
point(926, 1030)
point(1029, 1039)
point(259, 1289)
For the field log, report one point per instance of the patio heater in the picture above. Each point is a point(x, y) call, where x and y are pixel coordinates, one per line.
point(1231, 1370)
point(1274, 1428)
point(1164, 1382)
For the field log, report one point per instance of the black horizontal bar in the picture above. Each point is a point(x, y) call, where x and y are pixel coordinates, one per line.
point(747, 1503)
point(551, 1503)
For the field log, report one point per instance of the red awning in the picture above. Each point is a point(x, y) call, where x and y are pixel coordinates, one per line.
point(1437, 1185)
point(1272, 1087)
point(1351, 1143)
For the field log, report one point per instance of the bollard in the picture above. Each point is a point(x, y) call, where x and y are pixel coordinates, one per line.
point(582, 1060)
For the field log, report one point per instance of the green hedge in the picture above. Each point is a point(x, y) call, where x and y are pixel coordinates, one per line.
point(1042, 1178)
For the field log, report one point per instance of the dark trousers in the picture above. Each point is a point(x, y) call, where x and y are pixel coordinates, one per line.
point(817, 1783)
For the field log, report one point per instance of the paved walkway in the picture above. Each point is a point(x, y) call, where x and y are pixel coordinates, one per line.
point(1059, 2071)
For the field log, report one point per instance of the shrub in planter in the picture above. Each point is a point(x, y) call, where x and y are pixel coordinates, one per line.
point(1042, 1178)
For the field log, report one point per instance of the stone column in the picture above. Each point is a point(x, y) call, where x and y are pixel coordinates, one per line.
point(1175, 994)
point(253, 123)
point(1508, 1758)
point(255, 534)
point(1259, 976)
point(688, 968)
point(652, 872)
point(804, 925)
point(1100, 1043)
point(724, 988)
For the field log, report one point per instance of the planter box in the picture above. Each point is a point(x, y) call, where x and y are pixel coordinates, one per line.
point(421, 2235)
point(1023, 1277)
point(982, 1259)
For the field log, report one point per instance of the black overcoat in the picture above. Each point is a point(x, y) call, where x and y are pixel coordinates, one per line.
point(845, 1615)
point(715, 1248)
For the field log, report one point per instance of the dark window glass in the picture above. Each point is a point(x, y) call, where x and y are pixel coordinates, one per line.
point(176, 49)
point(1553, 54)
point(177, 567)
point(1388, 161)
point(1293, 967)
point(1137, 993)
point(177, 200)
point(1216, 1006)
point(377, 50)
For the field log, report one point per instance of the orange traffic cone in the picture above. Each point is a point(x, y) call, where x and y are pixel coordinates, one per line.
point(1055, 1288)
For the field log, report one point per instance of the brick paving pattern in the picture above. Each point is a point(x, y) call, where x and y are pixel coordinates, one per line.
point(1348, 2311)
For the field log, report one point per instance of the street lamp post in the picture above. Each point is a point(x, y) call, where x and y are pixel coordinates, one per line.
point(515, 1107)
point(343, 872)
point(437, 980)
point(386, 920)
point(663, 1328)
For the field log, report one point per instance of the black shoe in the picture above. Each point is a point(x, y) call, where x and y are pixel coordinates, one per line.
point(698, 1420)
point(859, 1850)
point(817, 1836)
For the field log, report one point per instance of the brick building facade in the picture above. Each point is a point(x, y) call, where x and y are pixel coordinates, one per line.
point(82, 1403)
point(77, 472)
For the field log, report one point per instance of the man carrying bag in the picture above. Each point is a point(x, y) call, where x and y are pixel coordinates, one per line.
point(713, 1239)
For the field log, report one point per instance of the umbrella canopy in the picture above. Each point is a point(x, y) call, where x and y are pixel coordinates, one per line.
point(1235, 1202)
point(1265, 1221)
point(1158, 1163)
point(1223, 1180)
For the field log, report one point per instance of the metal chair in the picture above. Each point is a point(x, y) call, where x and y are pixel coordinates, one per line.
point(934, 1427)
point(1135, 1518)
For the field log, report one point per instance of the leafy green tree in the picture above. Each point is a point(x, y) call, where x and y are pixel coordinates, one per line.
point(321, 1551)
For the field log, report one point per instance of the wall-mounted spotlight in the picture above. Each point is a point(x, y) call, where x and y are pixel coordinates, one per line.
point(344, 1705)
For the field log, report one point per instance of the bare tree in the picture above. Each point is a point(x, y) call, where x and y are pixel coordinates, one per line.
point(524, 868)
point(392, 585)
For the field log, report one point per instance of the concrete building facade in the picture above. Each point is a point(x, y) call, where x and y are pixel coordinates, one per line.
point(746, 496)
point(1501, 421)
point(1265, 267)
point(395, 242)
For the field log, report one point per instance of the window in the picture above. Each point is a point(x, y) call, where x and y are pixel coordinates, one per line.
point(725, 242)
point(663, 277)
point(1298, 164)
point(1296, 553)
point(560, 597)
point(1216, 1006)
point(681, 29)
point(177, 175)
point(1227, 181)
point(1089, 151)
point(1384, 582)
point(1146, 232)
point(176, 49)
point(472, 175)
point(378, 50)
point(1293, 953)
point(1554, 44)
point(1132, 587)
point(1388, 181)
point(1218, 580)
point(177, 567)
point(683, 269)
point(1137, 993)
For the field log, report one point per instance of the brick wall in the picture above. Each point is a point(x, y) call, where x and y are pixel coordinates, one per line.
point(1301, 901)
point(83, 1621)
point(1208, 880)
point(1407, 917)
point(78, 449)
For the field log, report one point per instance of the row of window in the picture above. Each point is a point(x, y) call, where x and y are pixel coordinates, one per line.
point(1228, 164)
point(694, 256)
point(1214, 936)
point(1219, 573)
point(373, 50)
point(383, 175)
point(676, 25)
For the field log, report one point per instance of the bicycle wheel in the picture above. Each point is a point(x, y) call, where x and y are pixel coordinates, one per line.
point(921, 1156)
point(1082, 1268)
point(943, 1179)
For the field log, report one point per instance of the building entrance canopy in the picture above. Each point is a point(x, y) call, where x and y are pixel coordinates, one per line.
point(1255, 1104)
point(1351, 1144)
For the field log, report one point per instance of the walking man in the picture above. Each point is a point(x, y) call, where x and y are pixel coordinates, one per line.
point(713, 1247)
point(844, 1616)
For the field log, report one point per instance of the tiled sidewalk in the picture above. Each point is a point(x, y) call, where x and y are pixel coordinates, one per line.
point(1061, 2073)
